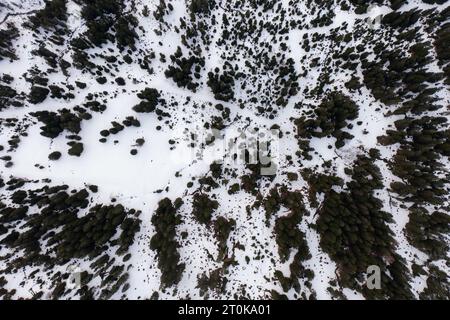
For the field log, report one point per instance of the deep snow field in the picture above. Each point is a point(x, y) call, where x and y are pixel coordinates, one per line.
point(112, 188)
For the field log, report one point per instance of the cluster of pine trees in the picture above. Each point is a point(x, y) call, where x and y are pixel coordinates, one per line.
point(150, 99)
point(7, 36)
point(161, 10)
point(56, 122)
point(423, 140)
point(117, 127)
point(363, 5)
point(289, 237)
point(222, 84)
point(355, 233)
point(251, 182)
point(100, 16)
point(67, 236)
point(222, 229)
point(8, 94)
point(201, 6)
point(106, 21)
point(328, 119)
point(186, 71)
point(203, 208)
point(49, 26)
point(213, 281)
point(52, 16)
point(442, 42)
point(164, 242)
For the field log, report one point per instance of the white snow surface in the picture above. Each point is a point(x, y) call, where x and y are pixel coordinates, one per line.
point(134, 180)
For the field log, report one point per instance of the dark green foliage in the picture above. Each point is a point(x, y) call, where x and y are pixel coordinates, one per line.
point(100, 16)
point(56, 123)
point(51, 227)
point(330, 117)
point(165, 221)
point(201, 6)
point(214, 282)
point(97, 228)
point(203, 208)
point(208, 183)
point(7, 95)
point(259, 172)
point(272, 203)
point(116, 128)
point(161, 10)
point(101, 80)
point(409, 71)
point(58, 290)
point(222, 230)
point(423, 139)
point(57, 92)
point(125, 34)
point(397, 4)
point(54, 156)
point(53, 15)
point(81, 59)
point(106, 21)
point(53, 233)
point(9, 214)
point(38, 94)
point(222, 85)
point(355, 233)
point(140, 142)
point(275, 295)
point(333, 113)
point(320, 183)
point(131, 121)
point(353, 84)
point(7, 36)
point(427, 232)
point(286, 82)
point(438, 286)
point(288, 234)
point(442, 45)
point(150, 99)
point(129, 226)
point(417, 161)
point(298, 271)
point(234, 188)
point(292, 176)
point(76, 149)
point(185, 70)
point(401, 20)
point(323, 20)
point(287, 231)
point(120, 81)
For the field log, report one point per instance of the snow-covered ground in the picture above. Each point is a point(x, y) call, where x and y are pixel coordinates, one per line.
point(162, 169)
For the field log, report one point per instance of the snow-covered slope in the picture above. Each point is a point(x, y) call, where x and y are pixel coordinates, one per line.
point(133, 161)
